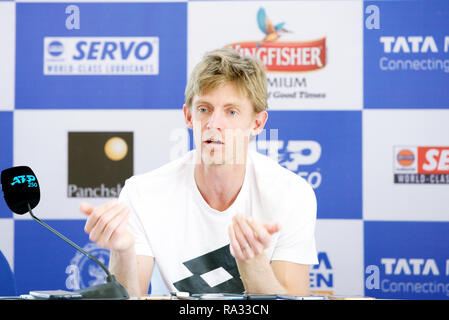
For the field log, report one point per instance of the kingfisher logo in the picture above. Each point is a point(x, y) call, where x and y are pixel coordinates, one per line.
point(421, 165)
point(281, 56)
point(285, 61)
point(101, 56)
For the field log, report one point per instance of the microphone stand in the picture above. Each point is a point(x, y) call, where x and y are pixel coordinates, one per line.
point(112, 289)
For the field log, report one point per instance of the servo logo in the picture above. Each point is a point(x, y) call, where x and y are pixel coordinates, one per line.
point(98, 163)
point(421, 165)
point(101, 56)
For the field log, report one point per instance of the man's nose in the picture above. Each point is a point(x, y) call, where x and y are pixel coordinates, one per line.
point(215, 121)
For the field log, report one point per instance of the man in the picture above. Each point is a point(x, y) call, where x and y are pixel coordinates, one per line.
point(221, 218)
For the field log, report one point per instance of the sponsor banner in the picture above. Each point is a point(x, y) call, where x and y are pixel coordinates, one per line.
point(406, 164)
point(103, 173)
point(6, 147)
point(330, 160)
point(92, 152)
point(340, 268)
point(429, 165)
point(34, 256)
point(408, 62)
point(101, 56)
point(286, 56)
point(7, 58)
point(37, 268)
point(313, 60)
point(88, 56)
point(406, 260)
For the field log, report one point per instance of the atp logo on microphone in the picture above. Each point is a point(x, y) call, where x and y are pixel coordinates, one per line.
point(99, 163)
point(30, 179)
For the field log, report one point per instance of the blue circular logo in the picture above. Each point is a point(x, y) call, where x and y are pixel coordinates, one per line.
point(55, 48)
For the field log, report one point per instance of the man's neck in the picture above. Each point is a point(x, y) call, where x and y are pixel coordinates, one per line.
point(219, 184)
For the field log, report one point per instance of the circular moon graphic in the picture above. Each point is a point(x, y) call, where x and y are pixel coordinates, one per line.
point(116, 148)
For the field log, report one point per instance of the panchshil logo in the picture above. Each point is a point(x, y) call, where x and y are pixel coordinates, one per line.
point(83, 272)
point(98, 163)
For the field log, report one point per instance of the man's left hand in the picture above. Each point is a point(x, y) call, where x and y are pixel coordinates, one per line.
point(249, 238)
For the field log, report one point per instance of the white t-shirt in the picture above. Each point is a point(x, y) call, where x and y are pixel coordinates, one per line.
point(189, 240)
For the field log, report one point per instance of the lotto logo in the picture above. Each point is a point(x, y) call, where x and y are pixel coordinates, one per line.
point(429, 165)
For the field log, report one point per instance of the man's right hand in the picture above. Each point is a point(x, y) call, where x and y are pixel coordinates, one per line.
point(106, 225)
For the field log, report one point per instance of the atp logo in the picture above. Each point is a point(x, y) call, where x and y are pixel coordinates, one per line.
point(294, 155)
point(29, 178)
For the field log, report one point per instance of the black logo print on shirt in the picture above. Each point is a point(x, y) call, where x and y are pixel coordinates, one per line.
point(211, 262)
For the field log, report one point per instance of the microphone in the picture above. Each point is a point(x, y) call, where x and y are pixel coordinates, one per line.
point(22, 194)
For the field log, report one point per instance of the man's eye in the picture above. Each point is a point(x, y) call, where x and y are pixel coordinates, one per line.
point(201, 109)
point(232, 112)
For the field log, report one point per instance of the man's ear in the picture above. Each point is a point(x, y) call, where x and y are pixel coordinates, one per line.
point(188, 116)
point(259, 122)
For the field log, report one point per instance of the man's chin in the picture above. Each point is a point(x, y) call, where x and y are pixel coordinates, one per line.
point(212, 159)
point(219, 160)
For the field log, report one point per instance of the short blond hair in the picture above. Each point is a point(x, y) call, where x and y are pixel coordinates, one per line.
point(226, 65)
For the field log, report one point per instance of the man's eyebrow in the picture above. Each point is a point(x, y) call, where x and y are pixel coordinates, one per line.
point(231, 104)
point(227, 105)
point(199, 102)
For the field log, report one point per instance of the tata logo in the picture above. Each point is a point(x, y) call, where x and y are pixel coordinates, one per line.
point(403, 266)
point(412, 44)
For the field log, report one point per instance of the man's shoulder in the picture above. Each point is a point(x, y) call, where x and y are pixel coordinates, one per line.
point(272, 178)
point(267, 168)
